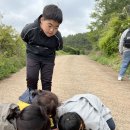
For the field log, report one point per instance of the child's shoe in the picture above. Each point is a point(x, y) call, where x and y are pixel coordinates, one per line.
point(120, 78)
point(25, 99)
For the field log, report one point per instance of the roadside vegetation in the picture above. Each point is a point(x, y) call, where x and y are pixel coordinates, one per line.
point(110, 20)
point(12, 51)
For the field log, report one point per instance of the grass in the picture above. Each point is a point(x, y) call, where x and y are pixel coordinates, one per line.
point(113, 61)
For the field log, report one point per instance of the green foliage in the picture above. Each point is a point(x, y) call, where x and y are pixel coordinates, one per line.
point(124, 24)
point(108, 41)
point(126, 10)
point(71, 50)
point(104, 8)
point(77, 44)
point(93, 36)
point(10, 42)
point(61, 52)
point(12, 51)
point(109, 36)
point(111, 18)
point(10, 65)
point(112, 61)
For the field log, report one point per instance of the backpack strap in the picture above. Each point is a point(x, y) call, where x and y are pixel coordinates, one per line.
point(127, 39)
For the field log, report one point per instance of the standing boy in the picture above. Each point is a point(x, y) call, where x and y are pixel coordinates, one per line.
point(124, 50)
point(43, 39)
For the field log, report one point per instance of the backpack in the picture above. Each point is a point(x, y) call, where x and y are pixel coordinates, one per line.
point(5, 110)
point(127, 40)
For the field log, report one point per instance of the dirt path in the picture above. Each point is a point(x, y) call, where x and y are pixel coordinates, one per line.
point(79, 74)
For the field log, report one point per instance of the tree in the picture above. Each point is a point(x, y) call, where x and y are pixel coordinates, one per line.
point(79, 42)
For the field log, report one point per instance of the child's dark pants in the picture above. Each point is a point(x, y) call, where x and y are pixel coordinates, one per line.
point(46, 72)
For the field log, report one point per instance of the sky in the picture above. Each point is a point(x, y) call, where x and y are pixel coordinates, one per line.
point(76, 13)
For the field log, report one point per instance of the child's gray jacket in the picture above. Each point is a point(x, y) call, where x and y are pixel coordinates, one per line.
point(93, 112)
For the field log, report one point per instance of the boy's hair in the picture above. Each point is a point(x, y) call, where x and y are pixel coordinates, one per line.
point(33, 117)
point(70, 121)
point(52, 12)
point(47, 100)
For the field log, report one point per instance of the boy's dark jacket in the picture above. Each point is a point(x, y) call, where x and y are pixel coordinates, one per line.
point(39, 46)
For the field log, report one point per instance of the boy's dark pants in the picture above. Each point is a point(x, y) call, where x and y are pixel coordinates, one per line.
point(33, 69)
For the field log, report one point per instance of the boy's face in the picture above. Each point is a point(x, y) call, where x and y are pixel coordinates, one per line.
point(50, 27)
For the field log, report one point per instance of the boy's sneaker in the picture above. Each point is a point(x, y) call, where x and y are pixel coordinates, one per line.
point(120, 78)
point(27, 96)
